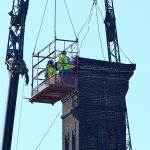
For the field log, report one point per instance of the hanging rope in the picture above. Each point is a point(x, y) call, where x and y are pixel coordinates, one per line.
point(87, 20)
point(86, 23)
point(20, 115)
point(40, 26)
point(100, 11)
point(84, 37)
point(125, 55)
point(100, 39)
point(70, 19)
point(45, 134)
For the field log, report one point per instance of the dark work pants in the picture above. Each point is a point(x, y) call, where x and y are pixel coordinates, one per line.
point(65, 76)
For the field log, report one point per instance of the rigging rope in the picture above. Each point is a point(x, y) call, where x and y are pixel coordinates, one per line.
point(47, 131)
point(87, 22)
point(100, 11)
point(99, 34)
point(84, 37)
point(20, 115)
point(125, 55)
point(70, 18)
point(40, 26)
point(89, 18)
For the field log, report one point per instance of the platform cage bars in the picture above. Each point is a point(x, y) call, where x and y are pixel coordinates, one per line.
point(52, 51)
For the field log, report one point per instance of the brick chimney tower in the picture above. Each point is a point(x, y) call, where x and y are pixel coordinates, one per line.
point(94, 115)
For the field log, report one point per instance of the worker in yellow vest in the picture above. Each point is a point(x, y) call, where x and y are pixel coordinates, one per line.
point(50, 70)
point(64, 67)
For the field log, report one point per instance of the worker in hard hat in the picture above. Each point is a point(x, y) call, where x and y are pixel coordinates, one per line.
point(50, 70)
point(64, 67)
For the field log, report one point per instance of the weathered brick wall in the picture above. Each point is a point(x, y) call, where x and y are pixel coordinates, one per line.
point(70, 124)
point(94, 118)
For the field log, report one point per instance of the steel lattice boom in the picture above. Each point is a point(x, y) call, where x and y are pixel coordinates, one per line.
point(111, 33)
point(15, 64)
point(113, 50)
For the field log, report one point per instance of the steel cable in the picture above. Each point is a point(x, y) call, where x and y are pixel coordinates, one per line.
point(70, 18)
point(20, 115)
point(99, 34)
point(45, 134)
point(100, 11)
point(40, 26)
point(125, 55)
point(87, 22)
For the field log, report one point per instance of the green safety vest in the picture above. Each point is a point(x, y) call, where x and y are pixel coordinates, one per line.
point(63, 63)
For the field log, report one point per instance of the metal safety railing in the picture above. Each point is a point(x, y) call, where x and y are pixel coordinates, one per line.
point(52, 51)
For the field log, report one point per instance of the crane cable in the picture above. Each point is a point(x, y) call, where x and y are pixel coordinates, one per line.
point(20, 115)
point(99, 34)
point(86, 22)
point(40, 26)
point(19, 124)
point(100, 12)
point(47, 131)
point(43, 20)
point(70, 18)
point(125, 55)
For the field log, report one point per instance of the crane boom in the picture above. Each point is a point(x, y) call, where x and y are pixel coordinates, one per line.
point(15, 64)
point(114, 51)
point(111, 33)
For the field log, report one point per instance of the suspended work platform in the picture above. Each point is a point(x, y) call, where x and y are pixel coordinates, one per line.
point(51, 92)
point(61, 83)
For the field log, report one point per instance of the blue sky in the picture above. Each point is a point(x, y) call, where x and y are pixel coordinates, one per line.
point(133, 32)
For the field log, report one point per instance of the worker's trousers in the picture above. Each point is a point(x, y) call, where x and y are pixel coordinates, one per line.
point(65, 76)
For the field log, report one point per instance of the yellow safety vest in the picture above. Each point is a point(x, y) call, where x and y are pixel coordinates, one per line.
point(49, 71)
point(63, 63)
